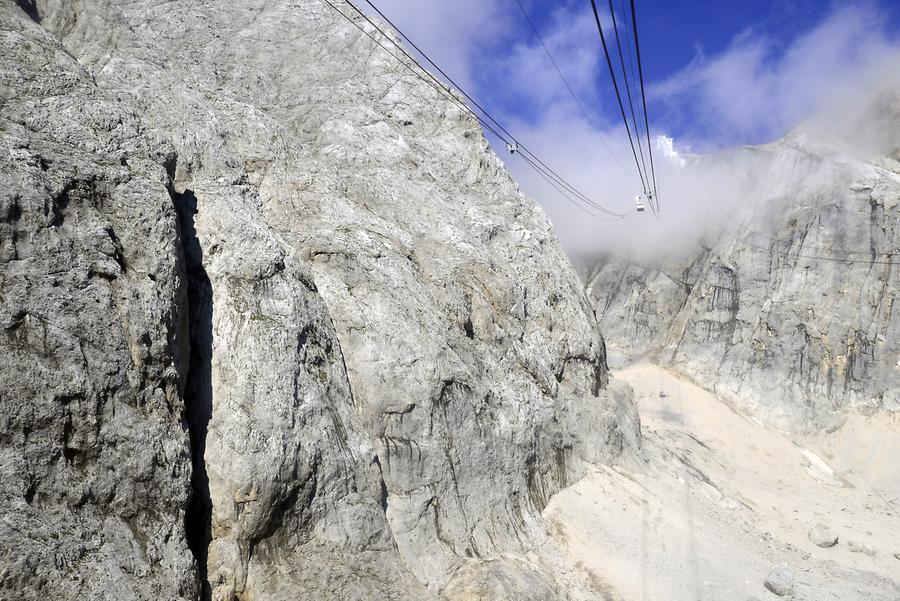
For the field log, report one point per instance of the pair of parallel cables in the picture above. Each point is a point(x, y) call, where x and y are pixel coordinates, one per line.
point(648, 178)
point(487, 121)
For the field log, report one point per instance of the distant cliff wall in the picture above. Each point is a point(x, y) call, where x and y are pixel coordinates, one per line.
point(790, 310)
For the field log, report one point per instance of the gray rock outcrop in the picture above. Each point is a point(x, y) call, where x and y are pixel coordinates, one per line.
point(823, 536)
point(780, 581)
point(859, 547)
point(93, 455)
point(279, 324)
point(788, 308)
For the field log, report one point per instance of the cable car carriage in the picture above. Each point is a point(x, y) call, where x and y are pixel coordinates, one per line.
point(640, 199)
point(639, 203)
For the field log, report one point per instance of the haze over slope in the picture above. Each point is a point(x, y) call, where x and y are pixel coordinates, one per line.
point(787, 305)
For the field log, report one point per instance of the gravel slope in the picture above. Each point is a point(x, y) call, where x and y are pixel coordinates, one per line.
point(720, 500)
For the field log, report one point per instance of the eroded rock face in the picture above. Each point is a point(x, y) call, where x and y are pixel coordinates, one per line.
point(774, 313)
point(391, 363)
point(94, 458)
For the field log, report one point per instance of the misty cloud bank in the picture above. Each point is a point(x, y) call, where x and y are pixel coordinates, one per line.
point(836, 83)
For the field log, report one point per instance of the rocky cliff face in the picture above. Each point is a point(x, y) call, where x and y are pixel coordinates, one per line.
point(789, 308)
point(94, 348)
point(277, 322)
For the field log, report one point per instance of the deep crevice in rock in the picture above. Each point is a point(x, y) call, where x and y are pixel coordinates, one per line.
point(30, 8)
point(382, 489)
point(198, 388)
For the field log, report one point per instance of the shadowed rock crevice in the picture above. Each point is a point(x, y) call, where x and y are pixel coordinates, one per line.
point(198, 389)
point(30, 8)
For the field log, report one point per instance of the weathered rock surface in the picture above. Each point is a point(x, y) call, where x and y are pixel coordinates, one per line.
point(789, 308)
point(823, 536)
point(94, 459)
point(240, 241)
point(780, 581)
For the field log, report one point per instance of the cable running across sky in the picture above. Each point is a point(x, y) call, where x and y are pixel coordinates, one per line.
point(648, 179)
point(612, 74)
point(488, 121)
point(634, 121)
point(562, 77)
point(637, 48)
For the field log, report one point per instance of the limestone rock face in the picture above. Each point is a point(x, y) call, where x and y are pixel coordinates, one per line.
point(94, 457)
point(377, 354)
point(789, 310)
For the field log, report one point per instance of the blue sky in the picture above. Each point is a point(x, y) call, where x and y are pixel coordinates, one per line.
point(718, 74)
point(488, 45)
point(674, 32)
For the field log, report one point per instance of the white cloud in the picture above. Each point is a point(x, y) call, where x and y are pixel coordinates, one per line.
point(666, 146)
point(749, 92)
point(528, 74)
point(454, 33)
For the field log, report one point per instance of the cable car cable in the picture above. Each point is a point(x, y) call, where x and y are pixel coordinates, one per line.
point(447, 94)
point(637, 48)
point(612, 74)
point(562, 192)
point(568, 86)
point(632, 70)
point(562, 181)
point(637, 133)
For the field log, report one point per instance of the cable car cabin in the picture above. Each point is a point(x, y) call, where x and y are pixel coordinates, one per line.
point(639, 204)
